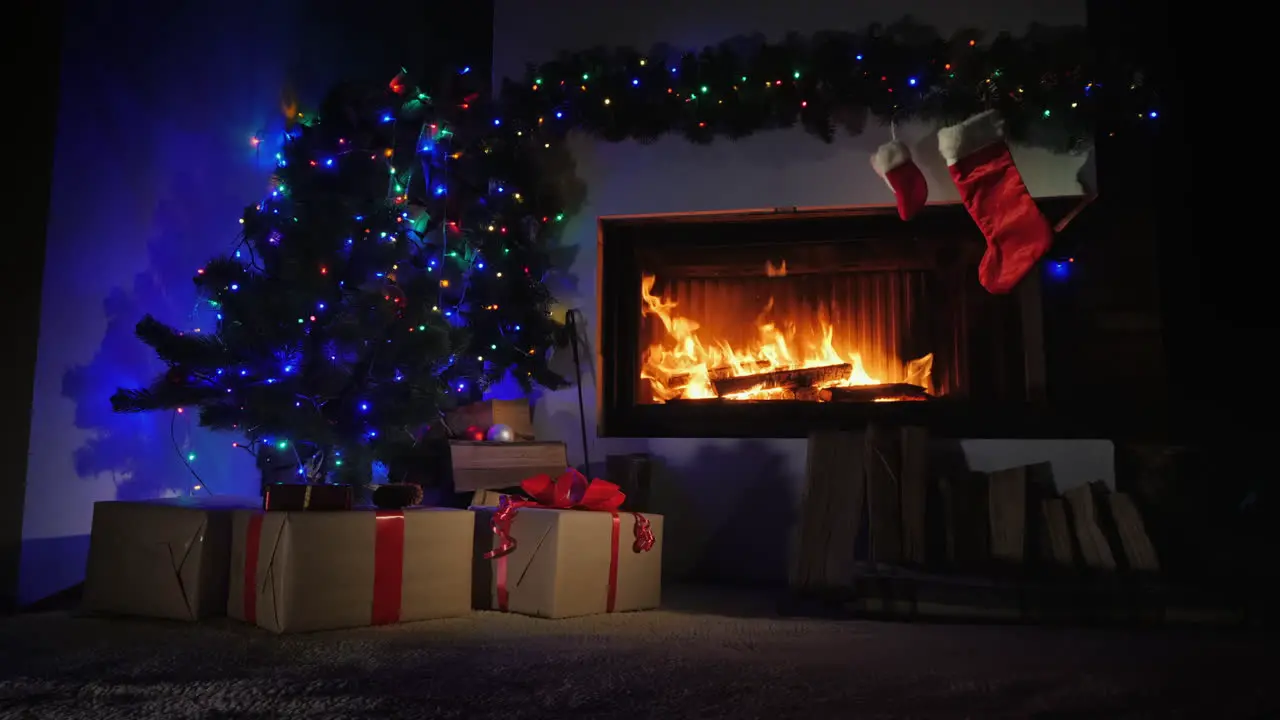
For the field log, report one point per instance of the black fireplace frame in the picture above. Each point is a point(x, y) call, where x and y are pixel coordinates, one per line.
point(618, 332)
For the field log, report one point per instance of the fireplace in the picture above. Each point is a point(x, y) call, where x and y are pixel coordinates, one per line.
point(774, 323)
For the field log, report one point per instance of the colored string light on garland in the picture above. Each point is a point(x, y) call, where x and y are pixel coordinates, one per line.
point(1041, 78)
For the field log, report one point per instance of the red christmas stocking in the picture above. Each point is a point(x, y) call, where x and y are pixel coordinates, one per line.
point(1017, 233)
point(892, 161)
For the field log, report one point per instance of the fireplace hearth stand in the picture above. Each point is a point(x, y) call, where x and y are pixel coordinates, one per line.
point(887, 290)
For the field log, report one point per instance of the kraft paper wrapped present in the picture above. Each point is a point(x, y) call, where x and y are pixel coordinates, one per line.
point(161, 558)
point(470, 466)
point(304, 571)
point(487, 498)
point(568, 552)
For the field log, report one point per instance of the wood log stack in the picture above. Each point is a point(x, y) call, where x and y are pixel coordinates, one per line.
point(866, 501)
point(876, 513)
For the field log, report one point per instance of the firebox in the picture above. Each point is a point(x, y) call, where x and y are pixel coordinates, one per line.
point(774, 323)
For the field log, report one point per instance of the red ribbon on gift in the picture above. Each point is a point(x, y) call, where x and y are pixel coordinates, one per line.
point(570, 491)
point(388, 567)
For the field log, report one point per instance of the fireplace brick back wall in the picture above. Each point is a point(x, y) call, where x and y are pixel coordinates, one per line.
point(731, 504)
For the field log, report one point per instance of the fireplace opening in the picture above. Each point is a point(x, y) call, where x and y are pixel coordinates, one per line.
point(776, 323)
point(816, 325)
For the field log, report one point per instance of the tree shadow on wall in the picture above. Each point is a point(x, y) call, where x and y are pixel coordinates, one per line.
point(562, 361)
point(137, 450)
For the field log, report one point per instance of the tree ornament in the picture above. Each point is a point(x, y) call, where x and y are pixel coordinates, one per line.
point(501, 433)
point(474, 433)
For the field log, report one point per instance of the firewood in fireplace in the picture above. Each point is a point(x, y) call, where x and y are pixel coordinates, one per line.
point(807, 394)
point(717, 373)
point(800, 394)
point(871, 393)
point(804, 377)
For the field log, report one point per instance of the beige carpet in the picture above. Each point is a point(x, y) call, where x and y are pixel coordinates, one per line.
point(709, 655)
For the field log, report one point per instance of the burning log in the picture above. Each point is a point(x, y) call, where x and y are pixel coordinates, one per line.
point(807, 394)
point(715, 373)
point(804, 377)
point(871, 393)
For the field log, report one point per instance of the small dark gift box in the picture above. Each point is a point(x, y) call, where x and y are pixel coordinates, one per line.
point(307, 497)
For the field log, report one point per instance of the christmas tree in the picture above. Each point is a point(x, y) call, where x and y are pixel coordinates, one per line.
point(391, 270)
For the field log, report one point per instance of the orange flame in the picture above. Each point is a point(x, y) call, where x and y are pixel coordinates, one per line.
point(683, 366)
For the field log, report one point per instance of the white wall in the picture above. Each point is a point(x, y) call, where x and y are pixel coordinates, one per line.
point(723, 495)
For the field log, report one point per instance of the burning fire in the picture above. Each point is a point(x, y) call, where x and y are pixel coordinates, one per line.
point(685, 366)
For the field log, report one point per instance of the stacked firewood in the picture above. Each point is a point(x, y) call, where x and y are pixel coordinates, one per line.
point(873, 503)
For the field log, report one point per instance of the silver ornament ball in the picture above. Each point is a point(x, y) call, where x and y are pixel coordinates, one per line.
point(501, 433)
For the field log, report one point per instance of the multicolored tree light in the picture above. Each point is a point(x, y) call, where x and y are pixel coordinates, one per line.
point(386, 274)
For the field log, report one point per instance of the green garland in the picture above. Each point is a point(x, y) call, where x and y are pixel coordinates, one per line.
point(1043, 83)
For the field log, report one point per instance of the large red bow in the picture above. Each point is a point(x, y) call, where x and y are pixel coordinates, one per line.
point(570, 491)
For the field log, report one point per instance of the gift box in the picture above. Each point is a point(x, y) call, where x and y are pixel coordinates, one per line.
point(297, 496)
point(161, 558)
point(304, 571)
point(566, 552)
point(471, 466)
point(488, 498)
